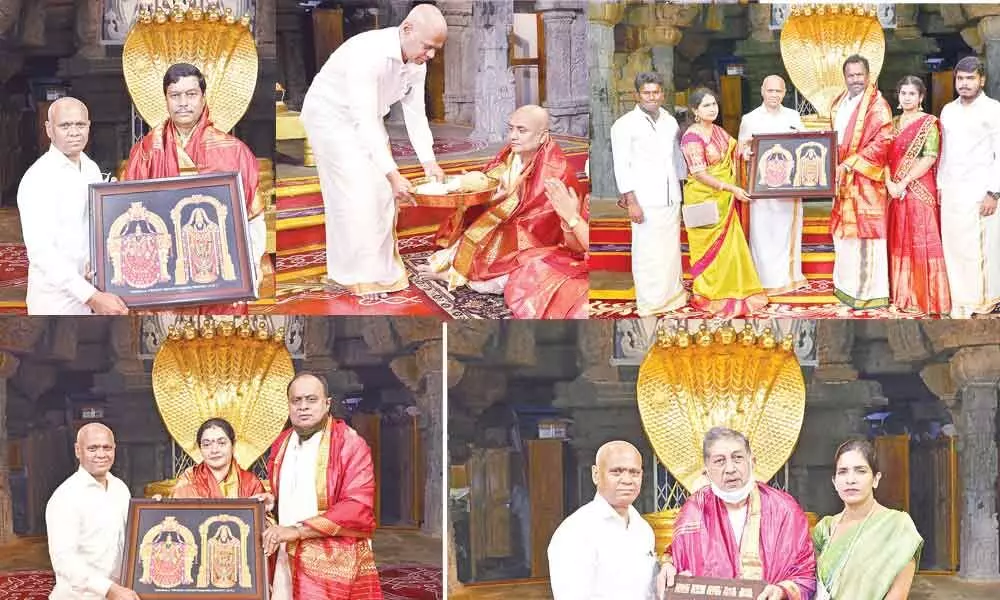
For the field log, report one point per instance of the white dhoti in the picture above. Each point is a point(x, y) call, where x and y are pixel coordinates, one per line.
point(656, 261)
point(861, 272)
point(971, 252)
point(776, 243)
point(361, 250)
point(282, 586)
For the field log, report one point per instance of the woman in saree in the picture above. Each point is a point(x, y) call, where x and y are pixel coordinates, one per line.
point(552, 282)
point(868, 551)
point(918, 281)
point(725, 281)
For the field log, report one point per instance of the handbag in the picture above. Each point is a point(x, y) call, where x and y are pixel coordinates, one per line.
point(703, 214)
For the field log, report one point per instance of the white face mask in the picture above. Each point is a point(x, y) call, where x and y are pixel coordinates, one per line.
point(735, 496)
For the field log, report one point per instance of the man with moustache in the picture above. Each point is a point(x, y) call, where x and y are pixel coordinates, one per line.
point(605, 550)
point(859, 220)
point(775, 223)
point(969, 182)
point(321, 544)
point(85, 519)
point(738, 528)
point(52, 202)
point(649, 167)
point(343, 114)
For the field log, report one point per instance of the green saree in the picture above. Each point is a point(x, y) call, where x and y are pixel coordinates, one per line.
point(865, 569)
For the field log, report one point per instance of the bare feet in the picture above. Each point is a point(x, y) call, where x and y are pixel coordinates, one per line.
point(426, 271)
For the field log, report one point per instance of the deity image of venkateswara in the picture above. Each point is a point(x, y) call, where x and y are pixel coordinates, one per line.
point(775, 167)
point(167, 554)
point(202, 245)
point(224, 560)
point(139, 248)
point(810, 171)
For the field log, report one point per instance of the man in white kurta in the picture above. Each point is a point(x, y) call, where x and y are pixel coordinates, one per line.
point(85, 520)
point(969, 181)
point(606, 550)
point(343, 114)
point(775, 223)
point(52, 202)
point(648, 165)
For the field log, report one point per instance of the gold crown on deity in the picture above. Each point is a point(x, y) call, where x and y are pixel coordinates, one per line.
point(236, 369)
point(216, 41)
point(690, 382)
point(816, 39)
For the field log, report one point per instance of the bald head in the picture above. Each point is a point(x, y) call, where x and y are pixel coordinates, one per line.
point(95, 449)
point(90, 430)
point(618, 474)
point(68, 126)
point(422, 33)
point(529, 129)
point(613, 449)
point(772, 91)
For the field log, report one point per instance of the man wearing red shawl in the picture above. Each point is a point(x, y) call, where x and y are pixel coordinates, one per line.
point(520, 218)
point(324, 488)
point(188, 144)
point(859, 220)
point(737, 528)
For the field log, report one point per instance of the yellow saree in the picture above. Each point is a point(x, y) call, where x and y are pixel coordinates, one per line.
point(725, 280)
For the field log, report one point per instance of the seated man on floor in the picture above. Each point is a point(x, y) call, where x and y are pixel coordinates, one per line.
point(520, 216)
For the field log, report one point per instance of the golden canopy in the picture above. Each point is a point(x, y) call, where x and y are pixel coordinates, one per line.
point(689, 383)
point(237, 371)
point(221, 46)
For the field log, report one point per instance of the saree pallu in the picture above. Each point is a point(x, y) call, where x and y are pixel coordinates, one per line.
point(725, 281)
point(918, 279)
point(887, 542)
point(199, 482)
point(551, 283)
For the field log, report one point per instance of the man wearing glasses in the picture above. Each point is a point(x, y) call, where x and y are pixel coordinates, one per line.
point(52, 201)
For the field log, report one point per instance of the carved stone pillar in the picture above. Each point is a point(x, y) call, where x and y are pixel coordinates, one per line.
point(565, 53)
point(8, 365)
point(492, 21)
point(459, 73)
point(290, 51)
point(264, 29)
point(600, 62)
point(834, 349)
point(661, 38)
point(989, 31)
point(88, 29)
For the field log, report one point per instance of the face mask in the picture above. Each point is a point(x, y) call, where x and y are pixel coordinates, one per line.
point(735, 496)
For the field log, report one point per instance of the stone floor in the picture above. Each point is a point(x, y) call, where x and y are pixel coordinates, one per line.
point(925, 587)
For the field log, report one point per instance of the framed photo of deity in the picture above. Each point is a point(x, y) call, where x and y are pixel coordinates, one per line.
point(793, 165)
point(173, 241)
point(183, 549)
point(703, 588)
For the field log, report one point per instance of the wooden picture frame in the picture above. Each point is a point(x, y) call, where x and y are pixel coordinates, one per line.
point(170, 545)
point(793, 165)
point(172, 241)
point(705, 588)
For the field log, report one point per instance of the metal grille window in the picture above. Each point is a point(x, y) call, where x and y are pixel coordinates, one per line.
point(668, 493)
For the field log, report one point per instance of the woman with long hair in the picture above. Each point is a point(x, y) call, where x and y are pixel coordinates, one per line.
point(867, 551)
point(918, 280)
point(725, 281)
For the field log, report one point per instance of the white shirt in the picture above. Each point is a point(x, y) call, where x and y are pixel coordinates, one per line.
point(844, 114)
point(86, 528)
point(762, 121)
point(738, 520)
point(358, 84)
point(53, 202)
point(970, 151)
point(297, 480)
point(594, 555)
point(647, 157)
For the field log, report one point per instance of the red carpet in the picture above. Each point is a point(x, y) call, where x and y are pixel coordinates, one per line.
point(399, 582)
point(13, 265)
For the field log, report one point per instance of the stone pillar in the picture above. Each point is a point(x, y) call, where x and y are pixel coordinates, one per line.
point(291, 53)
point(459, 72)
point(762, 54)
point(566, 66)
point(264, 30)
point(834, 349)
point(88, 29)
point(492, 21)
point(600, 62)
point(8, 365)
point(661, 38)
point(989, 31)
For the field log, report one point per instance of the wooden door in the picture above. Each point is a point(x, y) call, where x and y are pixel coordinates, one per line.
point(546, 493)
point(369, 427)
point(893, 455)
point(942, 90)
point(731, 90)
point(328, 33)
point(489, 504)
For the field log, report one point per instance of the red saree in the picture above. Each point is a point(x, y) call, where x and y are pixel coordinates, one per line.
point(340, 565)
point(524, 220)
point(199, 482)
point(775, 547)
point(918, 279)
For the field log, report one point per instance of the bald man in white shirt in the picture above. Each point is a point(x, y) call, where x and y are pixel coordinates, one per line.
point(85, 519)
point(52, 201)
point(343, 114)
point(606, 550)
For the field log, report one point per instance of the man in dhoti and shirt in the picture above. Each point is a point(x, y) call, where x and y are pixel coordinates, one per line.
point(188, 144)
point(520, 217)
point(969, 181)
point(343, 115)
point(323, 482)
point(649, 167)
point(775, 223)
point(739, 528)
point(859, 220)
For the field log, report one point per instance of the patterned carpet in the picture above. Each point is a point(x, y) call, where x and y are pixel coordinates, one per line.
point(399, 582)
